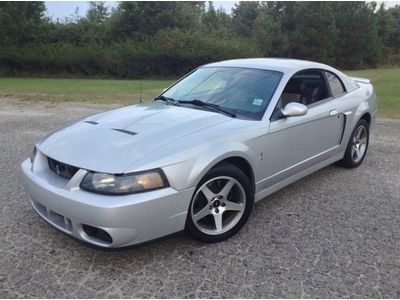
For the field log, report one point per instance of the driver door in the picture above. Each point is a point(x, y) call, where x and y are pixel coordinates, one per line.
point(298, 143)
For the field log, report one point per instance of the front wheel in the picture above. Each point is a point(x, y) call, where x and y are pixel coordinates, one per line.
point(357, 145)
point(221, 204)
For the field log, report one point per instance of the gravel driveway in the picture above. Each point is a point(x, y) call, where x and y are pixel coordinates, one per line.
point(335, 233)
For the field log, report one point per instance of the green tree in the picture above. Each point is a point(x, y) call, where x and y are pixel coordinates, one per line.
point(22, 22)
point(209, 18)
point(216, 21)
point(314, 32)
point(386, 31)
point(394, 37)
point(147, 18)
point(243, 16)
point(357, 43)
point(97, 13)
point(268, 34)
point(165, 38)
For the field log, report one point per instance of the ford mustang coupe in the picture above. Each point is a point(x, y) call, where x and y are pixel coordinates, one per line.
point(200, 154)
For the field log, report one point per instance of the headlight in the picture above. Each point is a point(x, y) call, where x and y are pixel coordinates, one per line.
point(33, 154)
point(110, 184)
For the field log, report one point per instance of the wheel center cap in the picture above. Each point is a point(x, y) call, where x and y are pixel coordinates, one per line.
point(216, 203)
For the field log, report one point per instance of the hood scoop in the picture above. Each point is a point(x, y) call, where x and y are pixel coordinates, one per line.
point(125, 131)
point(91, 122)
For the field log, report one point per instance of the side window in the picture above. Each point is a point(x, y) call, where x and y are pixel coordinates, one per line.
point(335, 84)
point(306, 87)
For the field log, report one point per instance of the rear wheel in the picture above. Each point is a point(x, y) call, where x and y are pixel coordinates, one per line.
point(221, 204)
point(357, 146)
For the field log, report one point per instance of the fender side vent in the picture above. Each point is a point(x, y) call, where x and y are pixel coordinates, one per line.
point(344, 128)
point(125, 131)
point(91, 122)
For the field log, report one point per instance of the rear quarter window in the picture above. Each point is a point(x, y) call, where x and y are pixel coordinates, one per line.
point(335, 84)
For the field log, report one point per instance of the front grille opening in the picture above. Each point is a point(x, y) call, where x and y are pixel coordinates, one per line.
point(53, 217)
point(60, 220)
point(97, 233)
point(61, 168)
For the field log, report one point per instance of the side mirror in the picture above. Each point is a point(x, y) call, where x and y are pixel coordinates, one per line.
point(294, 109)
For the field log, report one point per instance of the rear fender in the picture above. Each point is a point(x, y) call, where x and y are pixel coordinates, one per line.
point(367, 105)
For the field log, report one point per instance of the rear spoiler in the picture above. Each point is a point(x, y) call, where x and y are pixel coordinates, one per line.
point(361, 80)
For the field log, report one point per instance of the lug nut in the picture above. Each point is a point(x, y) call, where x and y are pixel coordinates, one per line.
point(217, 210)
point(210, 207)
point(223, 204)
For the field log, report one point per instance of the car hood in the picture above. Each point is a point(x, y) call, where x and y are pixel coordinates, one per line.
point(112, 141)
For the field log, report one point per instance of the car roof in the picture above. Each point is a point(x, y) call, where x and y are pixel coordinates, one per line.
point(285, 65)
point(288, 66)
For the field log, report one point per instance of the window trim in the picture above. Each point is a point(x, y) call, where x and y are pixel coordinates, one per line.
point(329, 86)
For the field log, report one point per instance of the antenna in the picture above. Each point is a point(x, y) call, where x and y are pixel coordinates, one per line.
point(140, 90)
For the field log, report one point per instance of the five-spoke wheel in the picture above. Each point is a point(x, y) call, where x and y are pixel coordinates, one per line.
point(357, 146)
point(218, 205)
point(221, 204)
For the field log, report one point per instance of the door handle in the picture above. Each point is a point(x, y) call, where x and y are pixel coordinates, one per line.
point(333, 112)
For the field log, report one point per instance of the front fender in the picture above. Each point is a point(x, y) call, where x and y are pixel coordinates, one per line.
point(189, 173)
point(208, 160)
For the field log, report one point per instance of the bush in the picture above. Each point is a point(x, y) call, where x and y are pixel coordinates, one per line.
point(170, 52)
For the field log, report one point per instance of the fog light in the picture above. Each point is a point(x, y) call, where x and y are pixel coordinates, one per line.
point(97, 233)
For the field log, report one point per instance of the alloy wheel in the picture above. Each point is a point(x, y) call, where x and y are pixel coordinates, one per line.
point(218, 205)
point(359, 144)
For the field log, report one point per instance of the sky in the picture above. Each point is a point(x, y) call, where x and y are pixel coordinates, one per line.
point(62, 9)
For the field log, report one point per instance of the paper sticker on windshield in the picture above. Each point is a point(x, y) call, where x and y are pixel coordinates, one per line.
point(257, 101)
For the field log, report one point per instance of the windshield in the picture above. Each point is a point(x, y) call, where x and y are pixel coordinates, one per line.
point(246, 92)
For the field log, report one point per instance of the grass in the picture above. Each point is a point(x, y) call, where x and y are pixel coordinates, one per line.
point(386, 82)
point(81, 90)
point(387, 85)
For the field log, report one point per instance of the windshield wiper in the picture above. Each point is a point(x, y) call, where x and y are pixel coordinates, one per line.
point(216, 107)
point(168, 100)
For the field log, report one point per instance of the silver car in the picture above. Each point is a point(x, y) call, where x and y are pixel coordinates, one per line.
point(199, 155)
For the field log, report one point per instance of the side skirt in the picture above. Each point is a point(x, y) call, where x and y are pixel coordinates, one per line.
point(277, 186)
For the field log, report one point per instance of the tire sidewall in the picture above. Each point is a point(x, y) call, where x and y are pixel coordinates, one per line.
point(348, 160)
point(224, 169)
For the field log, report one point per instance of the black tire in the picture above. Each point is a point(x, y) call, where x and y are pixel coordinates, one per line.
point(224, 169)
point(348, 160)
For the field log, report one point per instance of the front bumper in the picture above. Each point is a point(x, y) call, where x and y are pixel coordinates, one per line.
point(129, 219)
